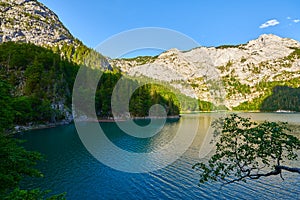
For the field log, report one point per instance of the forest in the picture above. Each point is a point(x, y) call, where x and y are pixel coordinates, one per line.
point(278, 95)
point(35, 81)
point(283, 98)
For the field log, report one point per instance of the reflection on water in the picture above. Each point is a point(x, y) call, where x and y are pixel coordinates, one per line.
point(70, 168)
point(293, 118)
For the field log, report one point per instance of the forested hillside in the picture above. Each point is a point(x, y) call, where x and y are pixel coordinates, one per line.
point(37, 84)
point(282, 98)
point(270, 90)
point(239, 77)
point(40, 82)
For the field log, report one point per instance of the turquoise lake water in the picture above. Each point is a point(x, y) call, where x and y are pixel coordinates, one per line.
point(69, 167)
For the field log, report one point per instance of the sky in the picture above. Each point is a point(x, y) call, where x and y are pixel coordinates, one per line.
point(210, 23)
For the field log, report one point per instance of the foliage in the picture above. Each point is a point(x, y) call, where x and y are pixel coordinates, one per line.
point(141, 100)
point(266, 88)
point(248, 150)
point(16, 163)
point(141, 60)
point(294, 55)
point(37, 77)
point(243, 60)
point(283, 98)
point(35, 194)
point(208, 106)
point(234, 86)
point(29, 109)
point(6, 111)
point(82, 55)
point(226, 46)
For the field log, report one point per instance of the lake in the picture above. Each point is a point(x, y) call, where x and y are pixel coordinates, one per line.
point(69, 166)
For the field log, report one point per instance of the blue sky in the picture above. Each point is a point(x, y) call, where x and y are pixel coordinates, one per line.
point(210, 23)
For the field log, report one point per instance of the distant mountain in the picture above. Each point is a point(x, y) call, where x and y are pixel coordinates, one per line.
point(30, 21)
point(239, 77)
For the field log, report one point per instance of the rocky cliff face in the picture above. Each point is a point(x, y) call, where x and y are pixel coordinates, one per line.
point(231, 74)
point(31, 21)
point(227, 75)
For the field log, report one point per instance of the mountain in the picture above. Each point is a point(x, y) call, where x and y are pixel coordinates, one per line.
point(30, 21)
point(237, 76)
point(36, 87)
point(39, 60)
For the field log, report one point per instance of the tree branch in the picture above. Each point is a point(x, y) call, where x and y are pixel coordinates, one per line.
point(277, 171)
point(290, 169)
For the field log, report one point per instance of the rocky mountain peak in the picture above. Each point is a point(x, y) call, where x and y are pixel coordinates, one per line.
point(239, 68)
point(272, 40)
point(169, 52)
point(31, 21)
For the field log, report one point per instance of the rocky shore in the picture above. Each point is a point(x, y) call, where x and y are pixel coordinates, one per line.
point(32, 126)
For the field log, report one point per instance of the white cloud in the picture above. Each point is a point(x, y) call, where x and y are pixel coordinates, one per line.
point(296, 20)
point(288, 18)
point(272, 22)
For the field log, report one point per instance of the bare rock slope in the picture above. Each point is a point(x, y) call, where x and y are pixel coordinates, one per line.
point(31, 21)
point(227, 74)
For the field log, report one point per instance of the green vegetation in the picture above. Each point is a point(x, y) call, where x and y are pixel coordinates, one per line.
point(283, 98)
point(141, 100)
point(294, 55)
point(226, 46)
point(4, 4)
point(243, 60)
point(208, 106)
point(81, 55)
point(205, 106)
point(234, 86)
point(248, 150)
point(266, 88)
point(141, 60)
point(17, 163)
point(225, 68)
point(6, 110)
point(146, 96)
point(37, 78)
point(34, 79)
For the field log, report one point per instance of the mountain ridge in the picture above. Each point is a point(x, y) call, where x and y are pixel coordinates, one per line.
point(236, 67)
point(30, 21)
point(228, 74)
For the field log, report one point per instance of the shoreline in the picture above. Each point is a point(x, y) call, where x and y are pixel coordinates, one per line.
point(241, 111)
point(23, 128)
point(111, 119)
